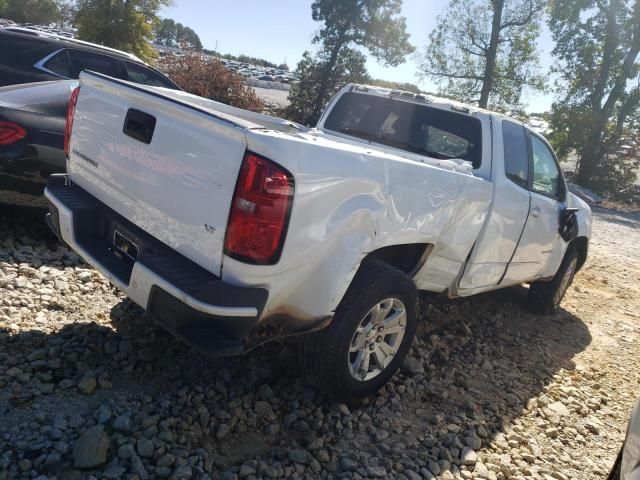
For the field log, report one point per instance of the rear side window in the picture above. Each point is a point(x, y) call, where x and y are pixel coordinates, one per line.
point(416, 128)
point(141, 74)
point(20, 51)
point(81, 60)
point(58, 64)
point(516, 156)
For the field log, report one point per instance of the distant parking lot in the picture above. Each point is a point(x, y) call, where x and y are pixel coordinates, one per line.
point(272, 96)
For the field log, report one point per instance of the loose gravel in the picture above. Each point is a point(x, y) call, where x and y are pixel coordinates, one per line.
point(90, 388)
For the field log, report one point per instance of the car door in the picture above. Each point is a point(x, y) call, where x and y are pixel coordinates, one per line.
point(507, 216)
point(541, 247)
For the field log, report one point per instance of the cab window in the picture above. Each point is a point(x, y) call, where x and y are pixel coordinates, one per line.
point(547, 179)
point(516, 155)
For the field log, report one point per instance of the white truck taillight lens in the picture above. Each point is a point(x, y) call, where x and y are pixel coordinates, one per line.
point(71, 110)
point(259, 211)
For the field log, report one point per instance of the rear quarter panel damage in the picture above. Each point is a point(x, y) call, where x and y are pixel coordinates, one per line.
point(349, 201)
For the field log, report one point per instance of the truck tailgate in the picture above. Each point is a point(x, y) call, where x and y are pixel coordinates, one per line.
point(167, 166)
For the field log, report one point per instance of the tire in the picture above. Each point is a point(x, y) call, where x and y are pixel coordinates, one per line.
point(545, 297)
point(376, 299)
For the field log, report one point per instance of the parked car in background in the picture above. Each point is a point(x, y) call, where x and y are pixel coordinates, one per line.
point(29, 55)
point(32, 119)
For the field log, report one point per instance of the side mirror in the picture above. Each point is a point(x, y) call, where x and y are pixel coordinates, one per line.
point(568, 224)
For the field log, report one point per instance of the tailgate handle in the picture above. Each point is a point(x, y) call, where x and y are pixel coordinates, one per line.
point(139, 125)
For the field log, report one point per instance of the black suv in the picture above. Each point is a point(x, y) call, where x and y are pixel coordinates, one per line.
point(32, 56)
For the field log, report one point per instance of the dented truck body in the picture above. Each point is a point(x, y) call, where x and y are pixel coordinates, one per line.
point(166, 178)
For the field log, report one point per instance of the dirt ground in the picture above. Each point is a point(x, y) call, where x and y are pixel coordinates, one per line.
point(89, 386)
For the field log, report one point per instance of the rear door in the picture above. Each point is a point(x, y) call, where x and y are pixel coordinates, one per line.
point(510, 204)
point(541, 248)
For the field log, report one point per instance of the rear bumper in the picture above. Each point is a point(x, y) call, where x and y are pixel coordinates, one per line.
point(196, 306)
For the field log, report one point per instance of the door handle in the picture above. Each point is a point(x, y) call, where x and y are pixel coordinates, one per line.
point(535, 212)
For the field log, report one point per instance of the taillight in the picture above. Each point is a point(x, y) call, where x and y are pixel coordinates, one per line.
point(11, 132)
point(259, 211)
point(71, 110)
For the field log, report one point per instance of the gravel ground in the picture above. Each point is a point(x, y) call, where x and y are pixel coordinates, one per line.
point(89, 388)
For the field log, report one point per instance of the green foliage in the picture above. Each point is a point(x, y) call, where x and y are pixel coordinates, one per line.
point(173, 34)
point(123, 24)
point(595, 114)
point(41, 12)
point(349, 67)
point(374, 25)
point(211, 79)
point(66, 13)
point(406, 86)
point(484, 51)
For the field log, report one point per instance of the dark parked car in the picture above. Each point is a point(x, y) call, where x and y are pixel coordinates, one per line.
point(28, 55)
point(32, 120)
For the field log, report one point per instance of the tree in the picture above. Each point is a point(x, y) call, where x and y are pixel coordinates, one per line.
point(66, 13)
point(484, 51)
point(40, 12)
point(173, 34)
point(211, 79)
point(597, 48)
point(122, 24)
point(406, 86)
point(375, 25)
point(349, 66)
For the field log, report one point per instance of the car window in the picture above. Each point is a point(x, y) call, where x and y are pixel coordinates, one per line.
point(81, 60)
point(447, 143)
point(547, 178)
point(416, 128)
point(141, 74)
point(516, 156)
point(58, 64)
point(22, 51)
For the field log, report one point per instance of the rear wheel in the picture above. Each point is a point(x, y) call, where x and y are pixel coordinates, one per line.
point(370, 334)
point(545, 297)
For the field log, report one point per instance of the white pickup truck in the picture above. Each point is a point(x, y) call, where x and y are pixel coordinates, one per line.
point(232, 228)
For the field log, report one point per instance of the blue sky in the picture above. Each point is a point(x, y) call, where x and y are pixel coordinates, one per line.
point(280, 30)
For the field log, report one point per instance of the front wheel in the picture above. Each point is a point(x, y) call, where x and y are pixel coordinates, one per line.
point(545, 297)
point(371, 333)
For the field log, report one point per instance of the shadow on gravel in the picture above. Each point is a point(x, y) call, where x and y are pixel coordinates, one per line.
point(627, 219)
point(480, 362)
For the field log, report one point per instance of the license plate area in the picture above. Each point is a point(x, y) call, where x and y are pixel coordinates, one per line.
point(124, 247)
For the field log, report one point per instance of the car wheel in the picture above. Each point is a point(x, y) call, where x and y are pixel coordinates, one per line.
point(369, 336)
point(545, 297)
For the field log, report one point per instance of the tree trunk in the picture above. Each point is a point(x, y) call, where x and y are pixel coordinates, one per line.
point(492, 52)
point(592, 150)
point(322, 90)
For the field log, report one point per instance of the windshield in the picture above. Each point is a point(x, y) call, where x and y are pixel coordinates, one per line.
point(415, 128)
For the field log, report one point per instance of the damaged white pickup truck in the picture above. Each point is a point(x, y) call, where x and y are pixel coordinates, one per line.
point(232, 228)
